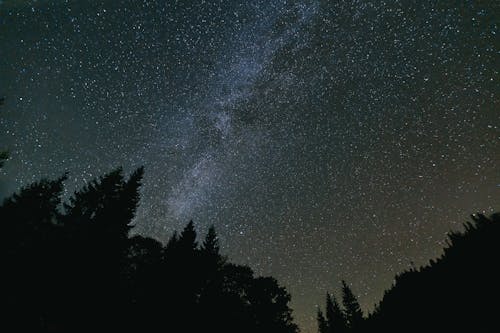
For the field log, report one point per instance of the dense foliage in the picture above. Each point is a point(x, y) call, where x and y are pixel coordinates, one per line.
point(72, 267)
point(454, 293)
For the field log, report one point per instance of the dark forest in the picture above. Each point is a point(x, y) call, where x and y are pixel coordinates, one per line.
point(72, 266)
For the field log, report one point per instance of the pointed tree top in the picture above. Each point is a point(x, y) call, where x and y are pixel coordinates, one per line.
point(353, 312)
point(187, 239)
point(211, 242)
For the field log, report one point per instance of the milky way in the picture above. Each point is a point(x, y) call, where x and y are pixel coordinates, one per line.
point(325, 140)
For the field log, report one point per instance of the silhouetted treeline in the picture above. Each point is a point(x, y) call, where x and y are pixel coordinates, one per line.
point(458, 292)
point(72, 267)
point(337, 318)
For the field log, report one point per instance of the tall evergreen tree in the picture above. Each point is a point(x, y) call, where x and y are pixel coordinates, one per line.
point(34, 207)
point(30, 240)
point(322, 323)
point(96, 201)
point(334, 315)
point(352, 310)
point(187, 239)
point(172, 242)
point(211, 243)
point(130, 196)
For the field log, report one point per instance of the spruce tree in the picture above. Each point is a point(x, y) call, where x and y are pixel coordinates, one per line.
point(211, 243)
point(322, 323)
point(187, 239)
point(352, 310)
point(334, 315)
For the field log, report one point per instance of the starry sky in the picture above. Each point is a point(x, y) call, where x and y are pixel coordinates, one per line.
point(324, 140)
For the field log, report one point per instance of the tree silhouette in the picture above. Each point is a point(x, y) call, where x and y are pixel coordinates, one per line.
point(28, 240)
point(72, 267)
point(451, 294)
point(352, 310)
point(323, 326)
point(336, 320)
point(335, 315)
point(458, 284)
point(187, 240)
point(211, 243)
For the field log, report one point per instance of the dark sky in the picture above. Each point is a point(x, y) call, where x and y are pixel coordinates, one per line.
point(325, 140)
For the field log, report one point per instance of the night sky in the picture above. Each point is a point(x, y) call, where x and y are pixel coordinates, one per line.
point(325, 140)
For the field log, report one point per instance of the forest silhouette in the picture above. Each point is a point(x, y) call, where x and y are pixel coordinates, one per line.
point(455, 293)
point(73, 266)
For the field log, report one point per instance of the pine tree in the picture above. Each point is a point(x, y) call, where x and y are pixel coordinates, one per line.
point(27, 215)
point(334, 315)
point(187, 239)
point(172, 242)
point(131, 195)
point(106, 206)
point(97, 200)
point(28, 244)
point(211, 243)
point(353, 313)
point(322, 323)
point(128, 203)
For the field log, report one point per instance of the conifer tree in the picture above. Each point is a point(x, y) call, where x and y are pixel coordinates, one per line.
point(211, 243)
point(187, 239)
point(352, 310)
point(322, 323)
point(172, 242)
point(334, 315)
point(27, 218)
